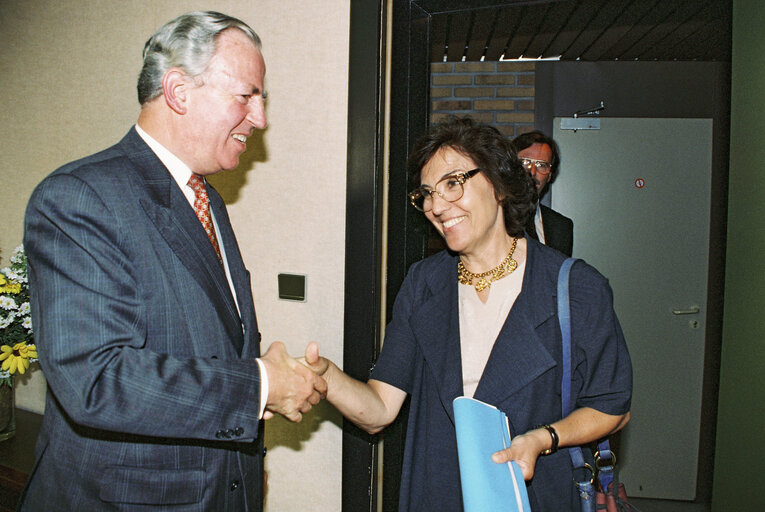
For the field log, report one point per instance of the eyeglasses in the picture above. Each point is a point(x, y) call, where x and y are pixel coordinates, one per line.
point(449, 188)
point(541, 166)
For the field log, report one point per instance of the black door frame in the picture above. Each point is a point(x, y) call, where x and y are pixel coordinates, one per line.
point(364, 214)
point(363, 238)
point(407, 228)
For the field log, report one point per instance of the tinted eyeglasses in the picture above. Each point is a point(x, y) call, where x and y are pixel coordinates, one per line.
point(541, 166)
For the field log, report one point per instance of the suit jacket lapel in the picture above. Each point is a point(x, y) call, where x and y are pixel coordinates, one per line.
point(436, 327)
point(518, 355)
point(167, 207)
point(557, 230)
point(239, 275)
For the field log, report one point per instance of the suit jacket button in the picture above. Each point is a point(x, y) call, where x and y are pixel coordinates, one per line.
point(234, 485)
point(238, 431)
point(265, 449)
point(220, 434)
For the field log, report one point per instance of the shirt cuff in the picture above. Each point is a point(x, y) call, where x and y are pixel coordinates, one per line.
point(263, 388)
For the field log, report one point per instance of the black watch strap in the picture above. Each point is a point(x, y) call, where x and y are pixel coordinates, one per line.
point(554, 435)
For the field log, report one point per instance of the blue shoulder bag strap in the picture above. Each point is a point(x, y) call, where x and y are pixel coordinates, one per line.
point(564, 318)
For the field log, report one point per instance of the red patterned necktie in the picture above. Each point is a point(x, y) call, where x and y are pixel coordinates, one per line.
point(202, 209)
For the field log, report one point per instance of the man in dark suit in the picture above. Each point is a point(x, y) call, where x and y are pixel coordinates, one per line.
point(539, 155)
point(142, 306)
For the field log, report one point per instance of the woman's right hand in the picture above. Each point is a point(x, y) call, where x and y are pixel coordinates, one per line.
point(318, 365)
point(371, 405)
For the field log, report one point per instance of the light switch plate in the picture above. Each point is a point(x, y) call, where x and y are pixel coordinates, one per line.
point(292, 287)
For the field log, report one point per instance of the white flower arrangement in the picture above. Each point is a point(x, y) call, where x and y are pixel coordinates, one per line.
point(17, 349)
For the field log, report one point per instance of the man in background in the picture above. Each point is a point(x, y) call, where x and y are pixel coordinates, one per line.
point(142, 306)
point(539, 155)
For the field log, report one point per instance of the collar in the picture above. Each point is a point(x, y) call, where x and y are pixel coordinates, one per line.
point(178, 170)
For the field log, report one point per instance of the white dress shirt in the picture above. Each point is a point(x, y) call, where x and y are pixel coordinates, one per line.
point(538, 224)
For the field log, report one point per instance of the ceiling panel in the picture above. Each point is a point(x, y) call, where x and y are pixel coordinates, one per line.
point(587, 30)
point(506, 23)
point(483, 25)
point(572, 26)
point(531, 22)
point(551, 28)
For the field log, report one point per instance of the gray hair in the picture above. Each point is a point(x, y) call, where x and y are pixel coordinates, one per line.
point(187, 42)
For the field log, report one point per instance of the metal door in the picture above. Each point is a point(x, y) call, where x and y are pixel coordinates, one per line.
point(638, 191)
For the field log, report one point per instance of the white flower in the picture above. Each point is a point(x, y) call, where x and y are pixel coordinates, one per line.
point(27, 323)
point(7, 302)
point(24, 309)
point(14, 276)
point(17, 254)
point(5, 322)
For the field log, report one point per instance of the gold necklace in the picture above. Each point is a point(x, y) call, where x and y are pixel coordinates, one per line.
point(484, 279)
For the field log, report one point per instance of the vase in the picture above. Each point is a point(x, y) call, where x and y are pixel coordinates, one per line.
point(7, 410)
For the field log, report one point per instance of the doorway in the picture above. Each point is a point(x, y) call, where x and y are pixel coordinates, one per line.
point(417, 26)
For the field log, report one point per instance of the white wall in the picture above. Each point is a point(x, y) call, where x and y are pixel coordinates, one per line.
point(67, 89)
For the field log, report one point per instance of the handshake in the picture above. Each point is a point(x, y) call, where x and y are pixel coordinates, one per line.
point(294, 385)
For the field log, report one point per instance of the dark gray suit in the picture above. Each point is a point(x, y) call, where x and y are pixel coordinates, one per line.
point(559, 230)
point(153, 390)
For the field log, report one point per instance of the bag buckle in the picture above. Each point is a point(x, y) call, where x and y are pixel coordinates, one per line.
point(592, 475)
point(608, 459)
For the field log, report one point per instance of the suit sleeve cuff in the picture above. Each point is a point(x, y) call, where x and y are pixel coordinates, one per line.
point(263, 388)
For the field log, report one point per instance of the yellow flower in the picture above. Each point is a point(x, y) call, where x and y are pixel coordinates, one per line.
point(7, 286)
point(17, 357)
point(10, 287)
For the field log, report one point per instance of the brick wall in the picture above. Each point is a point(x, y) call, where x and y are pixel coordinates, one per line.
point(497, 93)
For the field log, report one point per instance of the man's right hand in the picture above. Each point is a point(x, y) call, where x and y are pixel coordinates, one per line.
point(293, 389)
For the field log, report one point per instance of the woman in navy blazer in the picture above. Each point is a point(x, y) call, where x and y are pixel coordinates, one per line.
point(480, 319)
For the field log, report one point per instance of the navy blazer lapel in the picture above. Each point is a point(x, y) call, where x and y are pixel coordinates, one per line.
point(518, 355)
point(436, 327)
point(168, 209)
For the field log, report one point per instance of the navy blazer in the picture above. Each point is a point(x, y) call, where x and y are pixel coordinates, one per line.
point(421, 355)
point(153, 389)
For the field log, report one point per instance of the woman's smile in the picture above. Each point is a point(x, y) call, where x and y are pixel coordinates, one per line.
point(452, 222)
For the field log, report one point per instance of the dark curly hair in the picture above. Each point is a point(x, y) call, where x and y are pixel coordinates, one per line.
point(494, 154)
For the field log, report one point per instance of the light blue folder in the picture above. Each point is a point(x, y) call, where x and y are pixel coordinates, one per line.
point(482, 430)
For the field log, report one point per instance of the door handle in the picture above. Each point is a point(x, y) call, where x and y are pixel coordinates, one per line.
point(693, 310)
